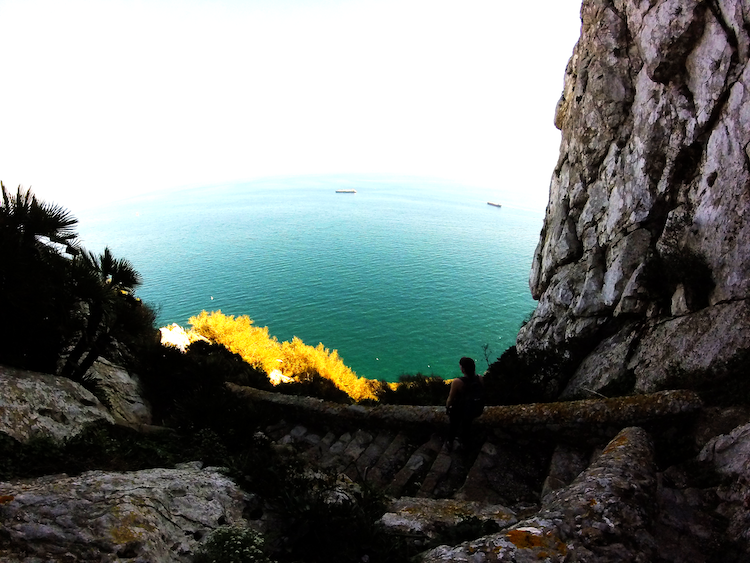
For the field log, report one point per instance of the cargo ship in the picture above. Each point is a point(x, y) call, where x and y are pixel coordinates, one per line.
point(346, 191)
point(494, 204)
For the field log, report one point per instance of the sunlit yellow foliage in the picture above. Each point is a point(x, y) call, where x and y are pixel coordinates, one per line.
point(297, 359)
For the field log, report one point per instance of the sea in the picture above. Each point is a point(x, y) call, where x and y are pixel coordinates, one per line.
point(405, 276)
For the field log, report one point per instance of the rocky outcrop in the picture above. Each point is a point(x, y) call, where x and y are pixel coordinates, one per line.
point(642, 271)
point(123, 391)
point(150, 515)
point(35, 404)
point(730, 456)
point(603, 516)
point(533, 459)
point(425, 519)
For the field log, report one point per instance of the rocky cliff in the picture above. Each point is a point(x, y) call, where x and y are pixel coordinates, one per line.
point(642, 270)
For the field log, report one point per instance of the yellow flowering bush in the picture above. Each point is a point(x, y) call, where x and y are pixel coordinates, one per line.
point(293, 359)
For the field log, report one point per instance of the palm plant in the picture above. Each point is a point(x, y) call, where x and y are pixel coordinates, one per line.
point(105, 284)
point(34, 279)
point(28, 222)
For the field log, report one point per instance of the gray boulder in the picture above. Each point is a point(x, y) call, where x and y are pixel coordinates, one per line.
point(123, 391)
point(35, 404)
point(424, 519)
point(142, 516)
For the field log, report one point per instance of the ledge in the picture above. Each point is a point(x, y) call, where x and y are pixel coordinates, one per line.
point(578, 416)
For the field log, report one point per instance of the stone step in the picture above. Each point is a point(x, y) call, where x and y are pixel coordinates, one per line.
point(334, 457)
point(361, 440)
point(357, 470)
point(437, 473)
point(504, 472)
point(477, 479)
point(277, 431)
point(317, 451)
point(416, 466)
point(391, 460)
point(294, 435)
point(461, 462)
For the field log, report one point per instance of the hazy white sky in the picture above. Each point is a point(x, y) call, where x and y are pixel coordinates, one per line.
point(102, 99)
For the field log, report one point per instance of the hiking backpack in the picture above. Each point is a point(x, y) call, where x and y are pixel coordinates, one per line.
point(473, 396)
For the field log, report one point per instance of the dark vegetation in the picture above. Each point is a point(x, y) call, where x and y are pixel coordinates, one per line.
point(63, 307)
point(534, 378)
point(416, 390)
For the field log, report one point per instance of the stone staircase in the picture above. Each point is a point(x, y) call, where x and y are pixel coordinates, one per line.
point(519, 454)
point(494, 470)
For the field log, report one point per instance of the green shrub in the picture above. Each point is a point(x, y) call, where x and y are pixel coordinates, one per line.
point(232, 544)
point(327, 518)
point(416, 390)
point(182, 385)
point(312, 384)
point(535, 377)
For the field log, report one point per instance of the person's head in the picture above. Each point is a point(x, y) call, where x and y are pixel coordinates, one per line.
point(467, 366)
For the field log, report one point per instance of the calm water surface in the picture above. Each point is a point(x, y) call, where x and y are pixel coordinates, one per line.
point(404, 276)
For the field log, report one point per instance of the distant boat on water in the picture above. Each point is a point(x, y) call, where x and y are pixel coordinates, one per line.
point(494, 204)
point(346, 191)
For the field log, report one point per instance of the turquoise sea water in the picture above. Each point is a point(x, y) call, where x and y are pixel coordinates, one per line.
point(404, 276)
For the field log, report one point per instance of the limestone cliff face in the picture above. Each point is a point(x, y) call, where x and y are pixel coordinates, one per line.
point(642, 271)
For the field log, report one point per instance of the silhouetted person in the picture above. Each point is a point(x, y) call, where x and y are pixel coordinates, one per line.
point(465, 402)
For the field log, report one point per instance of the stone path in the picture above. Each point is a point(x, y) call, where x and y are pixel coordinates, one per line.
point(403, 449)
point(522, 458)
point(492, 470)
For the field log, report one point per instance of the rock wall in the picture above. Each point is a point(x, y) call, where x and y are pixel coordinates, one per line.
point(642, 270)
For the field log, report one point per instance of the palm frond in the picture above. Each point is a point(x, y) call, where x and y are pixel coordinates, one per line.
point(32, 218)
point(55, 222)
point(125, 275)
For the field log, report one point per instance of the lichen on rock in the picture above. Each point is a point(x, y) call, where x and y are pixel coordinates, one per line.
point(603, 516)
point(148, 515)
point(35, 405)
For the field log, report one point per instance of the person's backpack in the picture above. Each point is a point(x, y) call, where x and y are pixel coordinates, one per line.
point(473, 396)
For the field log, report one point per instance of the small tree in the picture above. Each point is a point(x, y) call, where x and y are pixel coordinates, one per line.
point(105, 284)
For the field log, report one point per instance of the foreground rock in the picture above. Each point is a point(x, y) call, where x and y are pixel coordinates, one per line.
point(424, 520)
point(123, 391)
point(603, 516)
point(730, 456)
point(34, 405)
point(151, 515)
point(643, 266)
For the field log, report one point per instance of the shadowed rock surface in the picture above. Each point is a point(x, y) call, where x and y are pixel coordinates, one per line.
point(123, 391)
